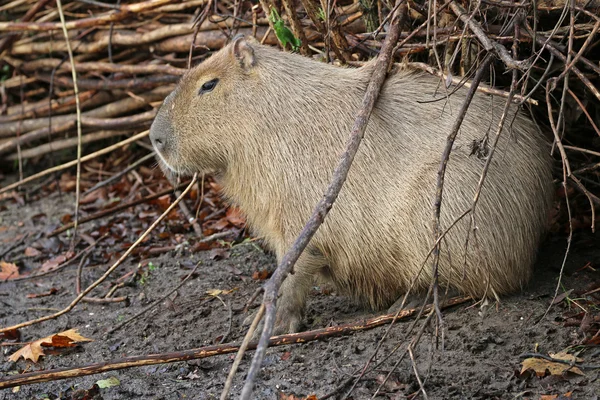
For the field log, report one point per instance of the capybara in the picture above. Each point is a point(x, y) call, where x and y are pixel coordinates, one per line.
point(270, 126)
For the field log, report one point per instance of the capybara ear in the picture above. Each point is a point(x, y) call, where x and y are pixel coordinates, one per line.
point(243, 52)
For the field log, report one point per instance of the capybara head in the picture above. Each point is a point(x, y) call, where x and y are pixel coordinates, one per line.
point(188, 132)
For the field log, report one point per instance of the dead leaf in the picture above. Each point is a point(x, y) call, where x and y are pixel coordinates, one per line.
point(542, 367)
point(11, 334)
point(220, 224)
point(8, 271)
point(219, 254)
point(202, 246)
point(563, 355)
point(562, 296)
point(33, 351)
point(261, 275)
point(53, 263)
point(32, 252)
point(283, 396)
point(218, 292)
point(555, 396)
point(235, 217)
point(50, 292)
point(65, 219)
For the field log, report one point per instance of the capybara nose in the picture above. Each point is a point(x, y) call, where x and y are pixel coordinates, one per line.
point(158, 138)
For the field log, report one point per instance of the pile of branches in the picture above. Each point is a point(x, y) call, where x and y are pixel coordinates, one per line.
point(128, 57)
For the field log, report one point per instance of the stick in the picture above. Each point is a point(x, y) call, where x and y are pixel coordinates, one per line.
point(58, 145)
point(78, 119)
point(9, 40)
point(442, 172)
point(241, 351)
point(339, 176)
point(205, 352)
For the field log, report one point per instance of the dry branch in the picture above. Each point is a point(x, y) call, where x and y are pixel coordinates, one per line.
point(110, 110)
point(209, 351)
point(483, 38)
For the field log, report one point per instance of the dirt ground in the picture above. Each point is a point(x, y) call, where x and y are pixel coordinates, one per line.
point(480, 358)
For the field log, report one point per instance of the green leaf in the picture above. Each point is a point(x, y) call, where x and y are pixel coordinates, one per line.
point(283, 33)
point(107, 383)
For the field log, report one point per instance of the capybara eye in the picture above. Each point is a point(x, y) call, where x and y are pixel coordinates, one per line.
point(208, 86)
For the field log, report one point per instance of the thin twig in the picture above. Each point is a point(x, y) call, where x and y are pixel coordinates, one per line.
point(241, 352)
point(488, 44)
point(78, 119)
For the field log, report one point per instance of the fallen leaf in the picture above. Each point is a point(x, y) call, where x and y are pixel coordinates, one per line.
point(53, 263)
point(285, 356)
point(235, 217)
point(110, 382)
point(11, 334)
point(283, 396)
point(563, 355)
point(542, 367)
point(33, 351)
point(261, 275)
point(65, 219)
point(562, 296)
point(556, 396)
point(219, 254)
point(218, 292)
point(32, 252)
point(220, 224)
point(8, 271)
point(50, 292)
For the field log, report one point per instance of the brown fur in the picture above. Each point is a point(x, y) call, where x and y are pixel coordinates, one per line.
point(272, 131)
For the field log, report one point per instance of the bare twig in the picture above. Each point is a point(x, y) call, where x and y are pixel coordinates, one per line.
point(241, 351)
point(442, 172)
point(78, 119)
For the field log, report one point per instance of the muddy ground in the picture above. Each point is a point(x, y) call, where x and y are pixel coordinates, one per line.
point(480, 359)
